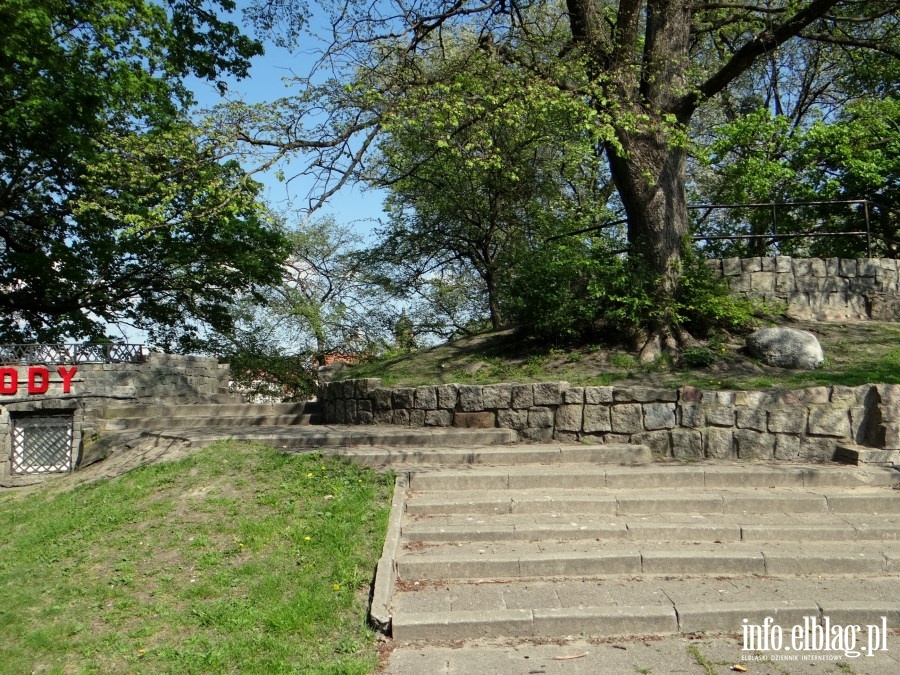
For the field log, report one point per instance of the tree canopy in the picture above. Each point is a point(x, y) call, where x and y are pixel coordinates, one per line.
point(113, 206)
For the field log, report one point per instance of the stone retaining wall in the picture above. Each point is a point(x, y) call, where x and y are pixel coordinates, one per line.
point(158, 378)
point(823, 289)
point(805, 424)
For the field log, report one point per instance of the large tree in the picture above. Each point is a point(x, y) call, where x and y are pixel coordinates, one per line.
point(644, 66)
point(113, 207)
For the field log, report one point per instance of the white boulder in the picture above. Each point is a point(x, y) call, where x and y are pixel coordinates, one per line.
point(786, 348)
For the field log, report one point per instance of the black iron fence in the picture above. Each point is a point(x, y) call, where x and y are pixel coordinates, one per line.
point(773, 236)
point(94, 352)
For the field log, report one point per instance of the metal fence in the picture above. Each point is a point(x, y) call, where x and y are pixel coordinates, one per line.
point(41, 444)
point(98, 352)
point(774, 236)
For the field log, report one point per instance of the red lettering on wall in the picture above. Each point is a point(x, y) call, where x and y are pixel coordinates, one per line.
point(36, 373)
point(67, 375)
point(9, 381)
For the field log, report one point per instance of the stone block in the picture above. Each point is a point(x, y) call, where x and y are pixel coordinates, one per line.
point(842, 394)
point(404, 397)
point(512, 419)
point(787, 447)
point(719, 443)
point(783, 263)
point(784, 283)
point(787, 421)
point(522, 396)
point(690, 394)
point(754, 445)
point(382, 417)
point(350, 414)
point(573, 395)
point(401, 417)
point(594, 395)
point(868, 267)
point(348, 389)
point(888, 396)
point(565, 436)
point(751, 265)
point(363, 406)
point(497, 395)
point(767, 264)
point(817, 267)
point(829, 422)
point(438, 418)
point(364, 417)
point(659, 442)
point(751, 418)
point(473, 420)
point(715, 266)
point(547, 393)
point(687, 444)
point(659, 416)
point(596, 418)
point(741, 284)
point(540, 417)
point(643, 395)
point(891, 432)
point(568, 417)
point(832, 267)
point(626, 418)
point(447, 396)
point(426, 398)
point(731, 267)
point(848, 267)
point(470, 398)
point(366, 384)
point(537, 434)
point(753, 399)
point(762, 281)
point(381, 399)
point(814, 449)
point(720, 416)
point(691, 416)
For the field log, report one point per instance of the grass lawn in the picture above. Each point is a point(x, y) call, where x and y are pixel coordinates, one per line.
point(237, 559)
point(855, 353)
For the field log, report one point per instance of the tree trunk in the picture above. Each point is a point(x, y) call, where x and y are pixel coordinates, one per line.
point(650, 178)
point(493, 300)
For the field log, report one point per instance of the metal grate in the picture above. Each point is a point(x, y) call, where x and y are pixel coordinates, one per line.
point(103, 352)
point(42, 444)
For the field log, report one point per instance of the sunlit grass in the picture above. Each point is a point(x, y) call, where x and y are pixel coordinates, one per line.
point(236, 559)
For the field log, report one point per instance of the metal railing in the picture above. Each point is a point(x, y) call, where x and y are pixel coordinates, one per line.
point(774, 236)
point(91, 352)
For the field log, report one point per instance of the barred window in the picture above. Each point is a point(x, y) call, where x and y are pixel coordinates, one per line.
point(42, 443)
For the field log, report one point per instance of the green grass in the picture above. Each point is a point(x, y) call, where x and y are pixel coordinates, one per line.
point(238, 559)
point(858, 353)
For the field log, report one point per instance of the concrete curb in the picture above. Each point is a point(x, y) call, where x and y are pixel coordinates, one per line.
point(386, 571)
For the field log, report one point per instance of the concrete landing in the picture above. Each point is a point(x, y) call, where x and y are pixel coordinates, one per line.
point(688, 655)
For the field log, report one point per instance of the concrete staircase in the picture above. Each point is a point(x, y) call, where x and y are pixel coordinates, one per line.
point(538, 551)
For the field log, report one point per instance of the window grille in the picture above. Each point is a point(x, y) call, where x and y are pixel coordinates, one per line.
point(42, 444)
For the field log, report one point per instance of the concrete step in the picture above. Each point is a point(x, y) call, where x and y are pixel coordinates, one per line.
point(649, 476)
point(508, 455)
point(517, 560)
point(727, 527)
point(654, 606)
point(608, 502)
point(388, 446)
point(213, 422)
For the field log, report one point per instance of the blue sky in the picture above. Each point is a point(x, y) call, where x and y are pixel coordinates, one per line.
point(351, 206)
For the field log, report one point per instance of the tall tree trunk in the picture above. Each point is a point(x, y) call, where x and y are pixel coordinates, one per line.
point(650, 177)
point(493, 300)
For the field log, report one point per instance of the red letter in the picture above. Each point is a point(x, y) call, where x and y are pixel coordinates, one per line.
point(33, 386)
point(67, 376)
point(13, 386)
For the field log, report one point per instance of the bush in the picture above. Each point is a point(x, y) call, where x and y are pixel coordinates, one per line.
point(568, 291)
point(281, 377)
